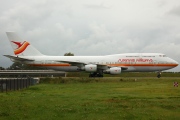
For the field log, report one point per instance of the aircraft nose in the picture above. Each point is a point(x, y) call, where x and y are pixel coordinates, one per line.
point(175, 62)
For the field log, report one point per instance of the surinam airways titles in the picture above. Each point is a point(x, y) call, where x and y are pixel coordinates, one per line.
point(135, 60)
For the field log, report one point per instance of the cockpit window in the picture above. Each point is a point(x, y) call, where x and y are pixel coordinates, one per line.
point(162, 55)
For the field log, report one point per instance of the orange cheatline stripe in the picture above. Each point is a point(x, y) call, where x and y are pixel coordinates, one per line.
point(143, 65)
point(21, 49)
point(159, 65)
point(50, 65)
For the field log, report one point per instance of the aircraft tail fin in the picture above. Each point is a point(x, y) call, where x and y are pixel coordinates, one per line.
point(21, 47)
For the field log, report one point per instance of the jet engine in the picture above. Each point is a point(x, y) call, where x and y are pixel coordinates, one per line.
point(113, 71)
point(90, 68)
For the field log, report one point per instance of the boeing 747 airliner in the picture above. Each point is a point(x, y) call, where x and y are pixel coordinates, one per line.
point(25, 53)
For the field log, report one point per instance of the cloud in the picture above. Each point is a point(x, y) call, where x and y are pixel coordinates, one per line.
point(175, 11)
point(97, 6)
point(92, 27)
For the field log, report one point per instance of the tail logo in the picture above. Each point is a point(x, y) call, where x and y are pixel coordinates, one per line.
point(20, 47)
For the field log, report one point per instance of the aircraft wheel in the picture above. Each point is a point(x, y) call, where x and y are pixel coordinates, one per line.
point(95, 75)
point(100, 75)
point(158, 75)
point(91, 75)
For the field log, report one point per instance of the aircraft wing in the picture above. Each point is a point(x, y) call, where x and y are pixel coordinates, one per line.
point(72, 62)
point(18, 58)
point(100, 66)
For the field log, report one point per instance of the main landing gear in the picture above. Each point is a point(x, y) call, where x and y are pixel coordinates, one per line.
point(95, 74)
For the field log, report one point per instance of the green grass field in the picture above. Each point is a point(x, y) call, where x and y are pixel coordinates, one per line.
point(94, 99)
point(126, 74)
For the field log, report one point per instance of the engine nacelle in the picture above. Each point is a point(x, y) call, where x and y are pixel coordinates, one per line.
point(90, 68)
point(114, 70)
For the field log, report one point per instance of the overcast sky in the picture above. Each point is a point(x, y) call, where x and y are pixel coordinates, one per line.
point(92, 27)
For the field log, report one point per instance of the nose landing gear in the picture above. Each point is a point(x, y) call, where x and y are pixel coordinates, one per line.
point(159, 74)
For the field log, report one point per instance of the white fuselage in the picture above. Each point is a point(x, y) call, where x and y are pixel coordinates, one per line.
point(134, 62)
point(111, 64)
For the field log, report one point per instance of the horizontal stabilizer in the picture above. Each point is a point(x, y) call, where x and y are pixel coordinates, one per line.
point(18, 58)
